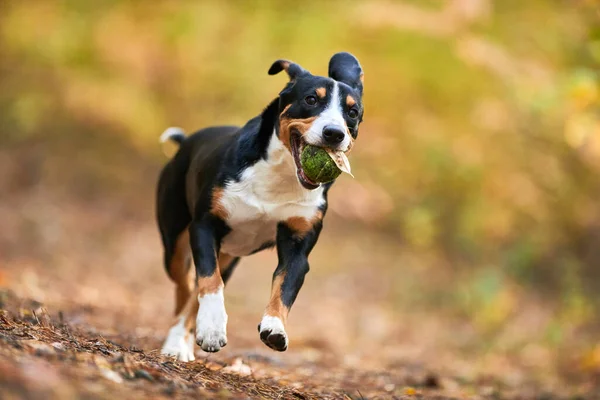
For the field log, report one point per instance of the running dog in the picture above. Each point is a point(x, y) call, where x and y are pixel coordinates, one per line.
point(233, 191)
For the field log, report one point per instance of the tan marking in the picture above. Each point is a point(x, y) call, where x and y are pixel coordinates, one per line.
point(321, 92)
point(285, 65)
point(217, 208)
point(350, 101)
point(287, 124)
point(302, 225)
point(276, 308)
point(362, 77)
point(284, 110)
point(180, 271)
point(210, 284)
point(189, 309)
point(225, 262)
point(184, 291)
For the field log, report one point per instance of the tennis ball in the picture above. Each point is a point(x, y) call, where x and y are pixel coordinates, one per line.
point(318, 165)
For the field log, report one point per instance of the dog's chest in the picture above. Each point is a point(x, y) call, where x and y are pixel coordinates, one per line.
point(267, 194)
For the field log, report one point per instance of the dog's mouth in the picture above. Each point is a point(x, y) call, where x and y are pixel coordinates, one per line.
point(297, 144)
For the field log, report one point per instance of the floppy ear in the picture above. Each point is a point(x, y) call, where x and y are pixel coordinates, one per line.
point(344, 67)
point(293, 70)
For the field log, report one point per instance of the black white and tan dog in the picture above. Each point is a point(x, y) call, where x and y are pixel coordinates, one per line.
point(230, 192)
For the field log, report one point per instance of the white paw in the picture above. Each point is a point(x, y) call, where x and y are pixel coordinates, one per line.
point(179, 343)
point(211, 322)
point(272, 333)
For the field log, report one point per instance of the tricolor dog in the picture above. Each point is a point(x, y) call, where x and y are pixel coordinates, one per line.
point(233, 191)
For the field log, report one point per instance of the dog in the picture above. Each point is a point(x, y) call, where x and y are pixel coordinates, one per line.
point(232, 191)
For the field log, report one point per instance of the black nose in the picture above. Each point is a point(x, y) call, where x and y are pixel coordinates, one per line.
point(333, 134)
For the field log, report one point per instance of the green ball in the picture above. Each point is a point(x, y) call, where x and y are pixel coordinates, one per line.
point(318, 165)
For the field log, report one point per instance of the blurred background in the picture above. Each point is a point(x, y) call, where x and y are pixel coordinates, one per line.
point(473, 224)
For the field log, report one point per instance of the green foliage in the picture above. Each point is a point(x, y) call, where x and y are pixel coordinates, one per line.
point(482, 119)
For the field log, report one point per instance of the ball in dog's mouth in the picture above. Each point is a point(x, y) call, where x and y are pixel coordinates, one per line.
point(298, 144)
point(318, 164)
point(326, 170)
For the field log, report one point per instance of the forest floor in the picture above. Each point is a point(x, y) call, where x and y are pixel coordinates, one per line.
point(90, 325)
point(46, 357)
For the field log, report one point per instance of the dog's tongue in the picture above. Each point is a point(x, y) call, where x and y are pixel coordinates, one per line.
point(340, 159)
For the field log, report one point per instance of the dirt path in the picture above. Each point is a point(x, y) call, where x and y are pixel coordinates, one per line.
point(46, 357)
point(89, 325)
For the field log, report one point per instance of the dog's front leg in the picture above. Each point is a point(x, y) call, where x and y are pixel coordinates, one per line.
point(211, 320)
point(293, 248)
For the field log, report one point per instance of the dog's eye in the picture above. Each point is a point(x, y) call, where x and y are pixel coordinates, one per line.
point(353, 113)
point(310, 100)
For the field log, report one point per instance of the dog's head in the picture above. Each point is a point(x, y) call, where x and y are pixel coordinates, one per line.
point(320, 111)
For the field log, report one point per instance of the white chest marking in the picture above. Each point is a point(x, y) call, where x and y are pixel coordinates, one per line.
point(267, 193)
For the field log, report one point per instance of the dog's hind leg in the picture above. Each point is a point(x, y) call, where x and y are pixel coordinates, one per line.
point(180, 341)
point(180, 272)
point(173, 220)
point(227, 265)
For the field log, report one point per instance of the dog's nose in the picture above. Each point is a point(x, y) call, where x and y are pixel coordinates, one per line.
point(333, 134)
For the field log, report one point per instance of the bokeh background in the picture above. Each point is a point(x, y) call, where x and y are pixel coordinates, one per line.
point(472, 227)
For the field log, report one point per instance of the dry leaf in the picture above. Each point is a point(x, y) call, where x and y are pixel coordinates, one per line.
point(238, 367)
point(341, 160)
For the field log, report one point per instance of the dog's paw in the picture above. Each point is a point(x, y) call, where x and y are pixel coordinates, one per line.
point(272, 333)
point(211, 323)
point(211, 341)
point(179, 343)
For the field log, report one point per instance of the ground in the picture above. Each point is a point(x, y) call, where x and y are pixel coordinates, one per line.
point(47, 357)
point(84, 316)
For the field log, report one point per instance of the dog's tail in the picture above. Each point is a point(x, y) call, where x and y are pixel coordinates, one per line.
point(173, 134)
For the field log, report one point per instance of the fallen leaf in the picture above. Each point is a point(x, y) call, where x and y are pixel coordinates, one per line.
point(409, 391)
point(238, 367)
point(111, 375)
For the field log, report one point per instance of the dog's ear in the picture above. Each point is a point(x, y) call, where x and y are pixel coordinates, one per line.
point(344, 67)
point(293, 70)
